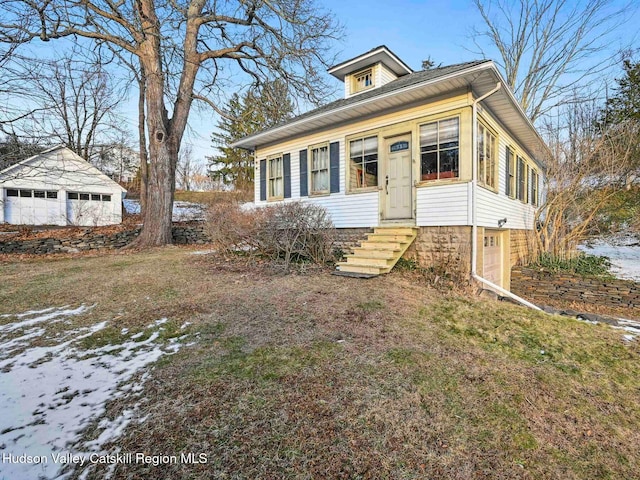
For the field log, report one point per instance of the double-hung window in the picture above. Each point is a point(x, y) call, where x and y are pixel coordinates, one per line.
point(276, 177)
point(534, 188)
point(521, 180)
point(319, 168)
point(511, 173)
point(363, 164)
point(486, 157)
point(440, 149)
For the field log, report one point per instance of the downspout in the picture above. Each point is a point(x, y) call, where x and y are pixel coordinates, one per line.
point(474, 205)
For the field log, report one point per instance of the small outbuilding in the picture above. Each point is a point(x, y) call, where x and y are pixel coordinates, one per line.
point(58, 187)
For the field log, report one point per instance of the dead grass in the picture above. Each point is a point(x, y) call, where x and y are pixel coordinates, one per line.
point(314, 376)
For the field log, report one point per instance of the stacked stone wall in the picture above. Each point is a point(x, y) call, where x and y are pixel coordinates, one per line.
point(540, 286)
point(183, 233)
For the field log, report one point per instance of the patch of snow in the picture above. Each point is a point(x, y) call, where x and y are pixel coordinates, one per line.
point(62, 312)
point(203, 252)
point(50, 394)
point(182, 211)
point(184, 325)
point(623, 254)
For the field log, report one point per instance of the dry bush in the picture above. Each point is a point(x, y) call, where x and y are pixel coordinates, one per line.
point(284, 232)
point(297, 231)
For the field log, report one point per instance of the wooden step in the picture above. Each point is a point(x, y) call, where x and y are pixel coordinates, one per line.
point(359, 268)
point(394, 247)
point(379, 252)
point(396, 230)
point(375, 253)
point(389, 237)
point(358, 260)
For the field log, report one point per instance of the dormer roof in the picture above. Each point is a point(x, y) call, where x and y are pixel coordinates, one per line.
point(379, 54)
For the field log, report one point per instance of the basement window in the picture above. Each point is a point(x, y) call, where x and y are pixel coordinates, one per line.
point(72, 196)
point(84, 196)
point(106, 198)
point(26, 193)
point(52, 194)
point(12, 193)
point(95, 196)
point(38, 193)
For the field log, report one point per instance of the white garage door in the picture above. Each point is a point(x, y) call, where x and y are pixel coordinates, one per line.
point(493, 258)
point(31, 207)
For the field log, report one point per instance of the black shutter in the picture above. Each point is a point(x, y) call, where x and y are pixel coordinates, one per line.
point(334, 162)
point(286, 164)
point(263, 179)
point(507, 187)
point(304, 186)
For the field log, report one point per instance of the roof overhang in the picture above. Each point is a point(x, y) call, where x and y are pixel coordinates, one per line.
point(479, 79)
point(379, 54)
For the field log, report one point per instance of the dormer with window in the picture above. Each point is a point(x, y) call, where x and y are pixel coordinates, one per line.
point(370, 70)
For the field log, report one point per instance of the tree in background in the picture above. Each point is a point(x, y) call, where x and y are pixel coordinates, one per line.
point(187, 49)
point(548, 47)
point(622, 112)
point(245, 114)
point(77, 101)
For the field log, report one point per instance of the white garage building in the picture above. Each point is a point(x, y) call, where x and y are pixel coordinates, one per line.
point(58, 187)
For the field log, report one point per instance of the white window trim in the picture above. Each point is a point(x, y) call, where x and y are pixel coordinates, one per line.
point(269, 159)
point(310, 169)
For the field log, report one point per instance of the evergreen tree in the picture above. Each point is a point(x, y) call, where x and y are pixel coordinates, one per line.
point(249, 113)
point(620, 118)
point(625, 104)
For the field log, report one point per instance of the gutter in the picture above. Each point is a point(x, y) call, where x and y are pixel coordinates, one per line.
point(474, 206)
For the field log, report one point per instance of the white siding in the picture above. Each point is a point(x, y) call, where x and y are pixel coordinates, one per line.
point(493, 207)
point(353, 210)
point(62, 171)
point(442, 205)
point(384, 76)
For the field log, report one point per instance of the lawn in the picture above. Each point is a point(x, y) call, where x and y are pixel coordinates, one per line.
point(309, 375)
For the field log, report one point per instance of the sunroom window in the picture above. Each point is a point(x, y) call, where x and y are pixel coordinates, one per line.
point(440, 149)
point(486, 157)
point(363, 154)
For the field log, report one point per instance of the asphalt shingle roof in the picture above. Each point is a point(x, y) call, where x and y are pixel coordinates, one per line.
point(398, 84)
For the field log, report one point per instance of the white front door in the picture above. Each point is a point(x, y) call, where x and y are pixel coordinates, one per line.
point(398, 183)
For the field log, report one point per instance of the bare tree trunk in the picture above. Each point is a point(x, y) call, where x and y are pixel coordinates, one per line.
point(142, 136)
point(163, 150)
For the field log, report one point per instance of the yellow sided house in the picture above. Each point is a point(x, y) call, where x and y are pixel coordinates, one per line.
point(442, 162)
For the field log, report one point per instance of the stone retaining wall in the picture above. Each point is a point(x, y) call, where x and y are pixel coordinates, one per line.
point(540, 286)
point(183, 233)
point(446, 249)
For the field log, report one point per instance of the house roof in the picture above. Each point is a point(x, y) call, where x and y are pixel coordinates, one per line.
point(375, 55)
point(480, 76)
point(89, 168)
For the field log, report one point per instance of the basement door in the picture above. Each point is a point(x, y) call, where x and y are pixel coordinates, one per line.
point(492, 260)
point(398, 183)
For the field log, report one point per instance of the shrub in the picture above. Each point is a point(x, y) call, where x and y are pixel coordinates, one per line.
point(581, 264)
point(284, 232)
